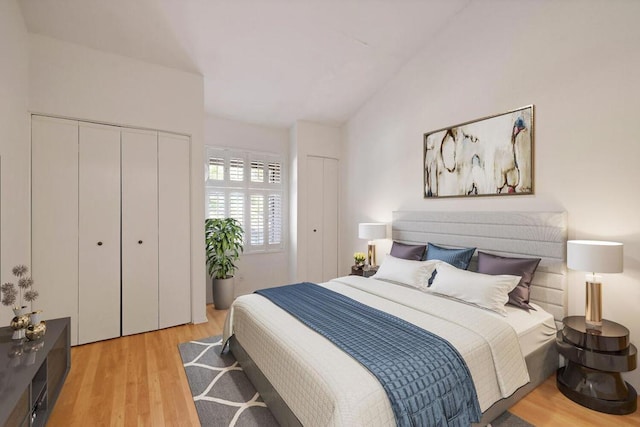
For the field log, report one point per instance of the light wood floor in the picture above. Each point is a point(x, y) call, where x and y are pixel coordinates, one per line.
point(139, 381)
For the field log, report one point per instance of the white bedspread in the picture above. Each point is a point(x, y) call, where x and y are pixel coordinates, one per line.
point(324, 386)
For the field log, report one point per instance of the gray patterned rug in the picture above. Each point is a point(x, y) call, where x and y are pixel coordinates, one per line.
point(221, 391)
point(224, 396)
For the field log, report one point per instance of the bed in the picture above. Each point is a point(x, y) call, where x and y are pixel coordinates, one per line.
point(305, 380)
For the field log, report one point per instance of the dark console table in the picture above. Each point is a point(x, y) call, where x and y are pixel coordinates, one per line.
point(595, 359)
point(32, 374)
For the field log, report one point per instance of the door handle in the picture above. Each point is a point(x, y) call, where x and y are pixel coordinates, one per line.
point(99, 243)
point(139, 242)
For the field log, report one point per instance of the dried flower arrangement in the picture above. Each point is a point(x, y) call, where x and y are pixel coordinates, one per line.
point(13, 297)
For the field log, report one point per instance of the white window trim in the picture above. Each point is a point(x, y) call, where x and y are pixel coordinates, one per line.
point(249, 188)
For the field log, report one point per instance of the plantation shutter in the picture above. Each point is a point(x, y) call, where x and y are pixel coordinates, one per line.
point(275, 219)
point(275, 173)
point(216, 168)
point(236, 207)
point(248, 187)
point(257, 171)
point(257, 220)
point(236, 169)
point(215, 204)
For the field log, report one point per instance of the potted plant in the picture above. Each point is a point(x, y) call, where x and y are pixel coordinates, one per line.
point(358, 258)
point(223, 238)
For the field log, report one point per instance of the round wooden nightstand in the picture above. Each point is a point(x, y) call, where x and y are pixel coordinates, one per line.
point(595, 359)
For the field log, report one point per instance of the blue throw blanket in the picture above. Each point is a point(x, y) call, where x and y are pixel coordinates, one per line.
point(425, 378)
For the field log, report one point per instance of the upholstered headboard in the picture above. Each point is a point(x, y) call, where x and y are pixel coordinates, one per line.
point(525, 234)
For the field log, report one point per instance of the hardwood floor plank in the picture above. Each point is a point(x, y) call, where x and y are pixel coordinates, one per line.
point(546, 406)
point(139, 380)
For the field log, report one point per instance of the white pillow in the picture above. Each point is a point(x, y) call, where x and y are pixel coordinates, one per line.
point(407, 272)
point(484, 290)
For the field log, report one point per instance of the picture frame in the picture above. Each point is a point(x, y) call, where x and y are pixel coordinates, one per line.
point(491, 156)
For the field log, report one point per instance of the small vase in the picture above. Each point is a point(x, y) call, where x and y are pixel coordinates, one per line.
point(35, 332)
point(35, 317)
point(19, 311)
point(18, 324)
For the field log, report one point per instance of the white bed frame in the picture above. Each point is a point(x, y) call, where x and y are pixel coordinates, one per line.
point(524, 234)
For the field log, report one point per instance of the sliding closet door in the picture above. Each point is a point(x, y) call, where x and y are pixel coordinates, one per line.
point(54, 218)
point(174, 230)
point(139, 231)
point(99, 257)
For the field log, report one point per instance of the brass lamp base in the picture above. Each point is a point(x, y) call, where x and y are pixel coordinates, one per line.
point(593, 304)
point(371, 254)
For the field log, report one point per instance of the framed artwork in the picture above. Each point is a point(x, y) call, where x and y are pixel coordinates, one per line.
point(485, 157)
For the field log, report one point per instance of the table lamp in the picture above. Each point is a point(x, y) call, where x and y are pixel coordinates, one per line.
point(596, 257)
point(372, 231)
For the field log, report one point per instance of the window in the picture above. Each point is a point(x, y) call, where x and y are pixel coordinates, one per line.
point(249, 187)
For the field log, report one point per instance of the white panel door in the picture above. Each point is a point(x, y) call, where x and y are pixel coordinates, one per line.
point(315, 227)
point(330, 219)
point(139, 231)
point(54, 218)
point(174, 230)
point(99, 225)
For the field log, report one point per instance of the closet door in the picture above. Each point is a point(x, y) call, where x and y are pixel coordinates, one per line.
point(330, 219)
point(139, 231)
point(54, 218)
point(174, 230)
point(322, 219)
point(99, 225)
point(315, 226)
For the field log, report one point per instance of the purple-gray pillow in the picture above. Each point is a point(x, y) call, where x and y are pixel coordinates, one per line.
point(410, 252)
point(525, 267)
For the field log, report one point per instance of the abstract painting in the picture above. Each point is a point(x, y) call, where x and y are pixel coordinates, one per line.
point(489, 156)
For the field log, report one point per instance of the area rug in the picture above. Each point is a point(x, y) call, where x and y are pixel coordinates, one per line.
point(224, 396)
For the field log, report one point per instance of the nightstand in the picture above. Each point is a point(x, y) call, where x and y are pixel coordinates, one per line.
point(362, 272)
point(595, 359)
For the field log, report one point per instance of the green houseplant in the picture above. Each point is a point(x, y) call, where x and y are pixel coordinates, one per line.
point(223, 238)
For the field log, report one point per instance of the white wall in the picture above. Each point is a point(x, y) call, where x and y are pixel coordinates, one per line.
point(257, 270)
point(14, 145)
point(73, 81)
point(307, 139)
point(579, 65)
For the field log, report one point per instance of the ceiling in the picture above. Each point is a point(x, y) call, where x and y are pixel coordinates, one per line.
point(263, 61)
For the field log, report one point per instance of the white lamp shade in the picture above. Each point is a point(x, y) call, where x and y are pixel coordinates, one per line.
point(594, 256)
point(372, 230)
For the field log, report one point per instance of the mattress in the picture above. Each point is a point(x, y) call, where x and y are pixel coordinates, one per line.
point(534, 328)
point(324, 386)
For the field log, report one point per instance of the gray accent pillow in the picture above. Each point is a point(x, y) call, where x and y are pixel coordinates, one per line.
point(410, 252)
point(525, 267)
